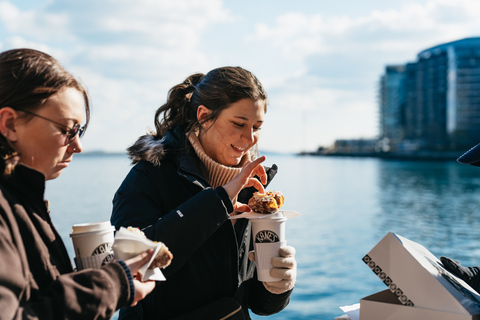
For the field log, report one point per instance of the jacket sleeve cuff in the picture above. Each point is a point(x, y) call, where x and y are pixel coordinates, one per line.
point(130, 282)
point(225, 198)
point(263, 302)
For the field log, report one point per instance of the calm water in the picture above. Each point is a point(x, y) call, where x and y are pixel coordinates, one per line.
point(347, 206)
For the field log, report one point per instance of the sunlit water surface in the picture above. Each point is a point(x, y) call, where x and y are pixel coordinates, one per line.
point(347, 206)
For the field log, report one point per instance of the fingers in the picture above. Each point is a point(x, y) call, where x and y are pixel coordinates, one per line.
point(465, 273)
point(136, 262)
point(279, 287)
point(260, 172)
point(142, 289)
point(285, 268)
point(452, 265)
point(251, 256)
point(281, 262)
point(241, 207)
point(252, 182)
point(244, 179)
point(287, 283)
point(449, 263)
point(257, 161)
point(251, 166)
point(286, 258)
point(287, 251)
point(284, 274)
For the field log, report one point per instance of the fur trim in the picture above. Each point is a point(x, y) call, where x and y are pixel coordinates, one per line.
point(147, 148)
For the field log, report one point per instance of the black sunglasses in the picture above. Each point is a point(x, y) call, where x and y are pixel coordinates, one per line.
point(71, 133)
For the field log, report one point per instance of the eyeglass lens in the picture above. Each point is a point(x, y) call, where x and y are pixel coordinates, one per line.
point(77, 129)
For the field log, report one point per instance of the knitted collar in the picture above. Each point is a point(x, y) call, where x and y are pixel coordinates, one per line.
point(215, 173)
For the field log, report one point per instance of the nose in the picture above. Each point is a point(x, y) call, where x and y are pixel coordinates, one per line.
point(75, 146)
point(248, 135)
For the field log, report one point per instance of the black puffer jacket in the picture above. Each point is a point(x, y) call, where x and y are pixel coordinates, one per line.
point(210, 276)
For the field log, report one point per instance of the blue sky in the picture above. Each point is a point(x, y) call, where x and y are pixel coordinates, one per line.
point(320, 61)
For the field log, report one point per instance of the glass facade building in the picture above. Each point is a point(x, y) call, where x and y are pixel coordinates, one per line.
point(438, 99)
point(392, 104)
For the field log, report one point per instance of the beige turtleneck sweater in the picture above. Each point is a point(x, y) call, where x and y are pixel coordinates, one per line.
point(216, 173)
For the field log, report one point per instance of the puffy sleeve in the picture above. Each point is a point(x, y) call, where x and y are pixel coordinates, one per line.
point(148, 199)
point(263, 302)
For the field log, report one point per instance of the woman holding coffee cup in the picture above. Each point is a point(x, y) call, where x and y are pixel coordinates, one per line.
point(42, 107)
point(186, 182)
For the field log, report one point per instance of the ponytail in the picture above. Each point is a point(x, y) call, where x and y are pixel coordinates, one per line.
point(178, 110)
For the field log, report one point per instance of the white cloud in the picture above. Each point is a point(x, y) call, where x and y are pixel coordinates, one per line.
point(304, 117)
point(331, 63)
point(313, 63)
point(127, 53)
point(299, 35)
point(20, 42)
point(42, 27)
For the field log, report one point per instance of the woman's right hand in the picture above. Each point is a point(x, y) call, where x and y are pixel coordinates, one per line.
point(246, 179)
point(142, 289)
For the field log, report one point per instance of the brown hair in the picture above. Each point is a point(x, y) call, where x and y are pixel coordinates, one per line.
point(216, 90)
point(28, 78)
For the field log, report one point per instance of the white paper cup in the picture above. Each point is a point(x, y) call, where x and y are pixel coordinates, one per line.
point(92, 243)
point(268, 236)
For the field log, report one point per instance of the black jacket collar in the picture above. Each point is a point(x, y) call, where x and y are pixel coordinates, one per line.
point(27, 183)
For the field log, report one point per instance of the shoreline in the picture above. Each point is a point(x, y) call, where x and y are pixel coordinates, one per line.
point(417, 155)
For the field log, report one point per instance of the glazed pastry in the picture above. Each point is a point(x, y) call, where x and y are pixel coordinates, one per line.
point(162, 259)
point(268, 202)
point(164, 256)
point(279, 198)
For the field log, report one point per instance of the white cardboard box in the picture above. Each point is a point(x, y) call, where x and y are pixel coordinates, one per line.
point(385, 305)
point(419, 286)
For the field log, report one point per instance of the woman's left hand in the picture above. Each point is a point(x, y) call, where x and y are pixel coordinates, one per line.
point(284, 267)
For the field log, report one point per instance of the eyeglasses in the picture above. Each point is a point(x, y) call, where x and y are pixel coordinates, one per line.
point(70, 133)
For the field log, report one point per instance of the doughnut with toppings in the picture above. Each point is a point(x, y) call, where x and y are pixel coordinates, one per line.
point(268, 202)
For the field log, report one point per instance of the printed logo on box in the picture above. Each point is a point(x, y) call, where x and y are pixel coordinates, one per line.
point(266, 236)
point(389, 282)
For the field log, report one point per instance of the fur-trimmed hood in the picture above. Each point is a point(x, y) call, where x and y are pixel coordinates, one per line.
point(153, 150)
point(147, 148)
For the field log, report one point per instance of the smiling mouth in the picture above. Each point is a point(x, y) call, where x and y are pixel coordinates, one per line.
point(238, 148)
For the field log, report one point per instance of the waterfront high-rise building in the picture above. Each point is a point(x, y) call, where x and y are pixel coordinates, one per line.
point(433, 103)
point(392, 104)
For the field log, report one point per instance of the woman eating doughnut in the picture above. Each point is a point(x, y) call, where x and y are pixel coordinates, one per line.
point(190, 175)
